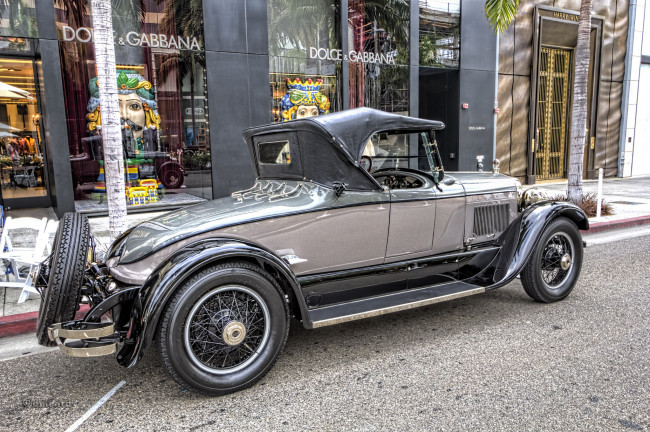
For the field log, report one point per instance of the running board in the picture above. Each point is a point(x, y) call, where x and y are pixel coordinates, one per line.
point(396, 302)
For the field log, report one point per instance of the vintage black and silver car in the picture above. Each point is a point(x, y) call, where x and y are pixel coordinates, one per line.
point(320, 236)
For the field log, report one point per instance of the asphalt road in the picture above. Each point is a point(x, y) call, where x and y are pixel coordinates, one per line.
point(496, 361)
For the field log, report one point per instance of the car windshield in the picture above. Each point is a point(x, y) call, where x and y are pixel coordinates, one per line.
point(391, 150)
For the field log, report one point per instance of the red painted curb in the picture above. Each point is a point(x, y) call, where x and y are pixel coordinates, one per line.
point(617, 224)
point(13, 325)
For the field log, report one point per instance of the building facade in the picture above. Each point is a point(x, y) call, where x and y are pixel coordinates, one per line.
point(192, 74)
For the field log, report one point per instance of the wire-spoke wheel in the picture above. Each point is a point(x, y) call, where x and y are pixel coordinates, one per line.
point(554, 266)
point(224, 328)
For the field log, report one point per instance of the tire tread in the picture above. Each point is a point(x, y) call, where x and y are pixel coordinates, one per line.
point(60, 302)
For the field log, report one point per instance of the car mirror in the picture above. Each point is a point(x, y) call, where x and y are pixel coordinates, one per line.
point(449, 181)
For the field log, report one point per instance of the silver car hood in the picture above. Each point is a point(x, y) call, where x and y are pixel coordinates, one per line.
point(484, 182)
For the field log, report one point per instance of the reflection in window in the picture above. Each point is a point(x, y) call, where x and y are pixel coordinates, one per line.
point(18, 18)
point(440, 33)
point(305, 67)
point(276, 152)
point(162, 100)
point(379, 56)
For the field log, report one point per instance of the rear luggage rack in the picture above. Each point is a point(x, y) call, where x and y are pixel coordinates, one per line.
point(86, 339)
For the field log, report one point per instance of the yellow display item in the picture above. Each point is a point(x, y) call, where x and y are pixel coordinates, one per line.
point(137, 195)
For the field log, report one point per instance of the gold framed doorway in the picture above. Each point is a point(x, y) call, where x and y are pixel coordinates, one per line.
point(552, 100)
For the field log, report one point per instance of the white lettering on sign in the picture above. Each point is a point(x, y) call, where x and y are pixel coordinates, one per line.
point(144, 40)
point(476, 128)
point(354, 56)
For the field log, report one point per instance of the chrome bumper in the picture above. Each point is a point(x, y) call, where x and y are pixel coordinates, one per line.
point(81, 339)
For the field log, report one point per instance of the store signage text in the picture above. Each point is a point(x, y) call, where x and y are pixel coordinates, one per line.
point(354, 56)
point(145, 40)
point(566, 16)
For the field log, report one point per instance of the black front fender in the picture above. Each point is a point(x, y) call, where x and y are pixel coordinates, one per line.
point(520, 238)
point(167, 277)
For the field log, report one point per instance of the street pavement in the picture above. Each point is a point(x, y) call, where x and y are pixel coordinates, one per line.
point(497, 361)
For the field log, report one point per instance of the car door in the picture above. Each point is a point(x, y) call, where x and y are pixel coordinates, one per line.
point(426, 232)
point(412, 222)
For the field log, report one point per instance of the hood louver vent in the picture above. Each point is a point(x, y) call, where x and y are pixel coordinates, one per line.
point(490, 219)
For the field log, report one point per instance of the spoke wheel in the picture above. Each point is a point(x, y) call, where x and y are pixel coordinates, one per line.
point(554, 265)
point(227, 329)
point(557, 260)
point(224, 328)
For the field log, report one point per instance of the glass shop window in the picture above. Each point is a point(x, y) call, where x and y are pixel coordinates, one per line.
point(18, 18)
point(439, 33)
point(305, 58)
point(378, 39)
point(162, 94)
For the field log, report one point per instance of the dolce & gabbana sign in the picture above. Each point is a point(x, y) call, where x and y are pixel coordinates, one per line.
point(354, 56)
point(132, 38)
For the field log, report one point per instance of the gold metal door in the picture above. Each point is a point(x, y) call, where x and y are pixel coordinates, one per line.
point(552, 99)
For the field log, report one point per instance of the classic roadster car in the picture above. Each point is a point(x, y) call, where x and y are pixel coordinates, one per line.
point(318, 237)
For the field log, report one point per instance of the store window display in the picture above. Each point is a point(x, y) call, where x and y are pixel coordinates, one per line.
point(162, 95)
point(296, 34)
point(23, 177)
point(304, 100)
point(146, 166)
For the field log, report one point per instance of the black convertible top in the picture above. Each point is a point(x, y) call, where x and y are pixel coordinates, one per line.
point(327, 148)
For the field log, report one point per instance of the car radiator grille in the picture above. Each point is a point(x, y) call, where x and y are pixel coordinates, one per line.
point(490, 219)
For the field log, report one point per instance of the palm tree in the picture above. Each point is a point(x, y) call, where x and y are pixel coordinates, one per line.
point(500, 14)
point(579, 109)
point(111, 133)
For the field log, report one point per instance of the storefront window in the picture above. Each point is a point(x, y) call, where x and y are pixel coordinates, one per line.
point(21, 151)
point(440, 33)
point(305, 58)
point(18, 18)
point(162, 98)
point(378, 38)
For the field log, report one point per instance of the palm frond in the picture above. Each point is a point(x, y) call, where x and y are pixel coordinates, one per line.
point(501, 13)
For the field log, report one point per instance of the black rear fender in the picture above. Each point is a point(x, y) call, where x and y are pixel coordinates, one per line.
point(159, 287)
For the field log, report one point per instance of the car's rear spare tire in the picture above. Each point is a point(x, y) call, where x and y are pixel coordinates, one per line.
point(60, 298)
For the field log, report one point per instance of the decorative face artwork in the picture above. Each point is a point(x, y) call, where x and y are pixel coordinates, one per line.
point(138, 109)
point(303, 100)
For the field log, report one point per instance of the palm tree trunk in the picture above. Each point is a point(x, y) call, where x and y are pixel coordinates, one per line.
point(111, 132)
point(579, 109)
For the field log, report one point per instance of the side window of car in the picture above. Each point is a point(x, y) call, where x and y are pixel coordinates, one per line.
point(274, 152)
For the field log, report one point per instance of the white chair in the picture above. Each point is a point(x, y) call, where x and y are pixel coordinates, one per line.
point(30, 254)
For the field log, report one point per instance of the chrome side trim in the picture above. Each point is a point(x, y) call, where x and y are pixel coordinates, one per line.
point(396, 308)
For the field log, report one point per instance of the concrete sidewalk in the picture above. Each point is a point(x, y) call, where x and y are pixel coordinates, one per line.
point(630, 198)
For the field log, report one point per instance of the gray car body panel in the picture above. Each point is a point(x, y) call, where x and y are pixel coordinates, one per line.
point(330, 233)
